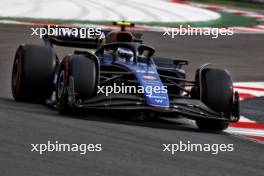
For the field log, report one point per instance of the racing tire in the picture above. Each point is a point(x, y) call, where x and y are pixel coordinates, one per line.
point(216, 91)
point(83, 72)
point(32, 74)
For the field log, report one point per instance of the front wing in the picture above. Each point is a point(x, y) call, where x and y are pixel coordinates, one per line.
point(184, 107)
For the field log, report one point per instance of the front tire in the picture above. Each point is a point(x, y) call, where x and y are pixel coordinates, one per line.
point(216, 91)
point(83, 71)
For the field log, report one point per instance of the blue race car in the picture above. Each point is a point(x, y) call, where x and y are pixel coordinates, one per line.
point(122, 75)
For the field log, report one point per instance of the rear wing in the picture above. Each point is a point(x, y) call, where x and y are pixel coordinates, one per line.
point(73, 37)
point(71, 42)
point(77, 37)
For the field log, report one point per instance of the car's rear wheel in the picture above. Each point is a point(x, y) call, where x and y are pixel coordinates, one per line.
point(216, 91)
point(32, 75)
point(82, 72)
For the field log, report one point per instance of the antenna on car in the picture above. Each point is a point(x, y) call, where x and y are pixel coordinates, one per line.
point(123, 24)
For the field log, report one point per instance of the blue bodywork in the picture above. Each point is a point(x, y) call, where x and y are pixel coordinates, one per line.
point(148, 77)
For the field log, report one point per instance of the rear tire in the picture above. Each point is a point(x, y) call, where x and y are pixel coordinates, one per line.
point(216, 91)
point(84, 72)
point(32, 75)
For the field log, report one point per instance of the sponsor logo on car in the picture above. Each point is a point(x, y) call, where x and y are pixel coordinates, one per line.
point(148, 77)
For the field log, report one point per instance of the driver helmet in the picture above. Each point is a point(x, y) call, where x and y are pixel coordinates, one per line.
point(124, 54)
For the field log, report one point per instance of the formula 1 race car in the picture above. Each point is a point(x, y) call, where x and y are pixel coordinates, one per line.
point(88, 80)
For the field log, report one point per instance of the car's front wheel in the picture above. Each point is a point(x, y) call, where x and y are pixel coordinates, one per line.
point(216, 91)
point(80, 72)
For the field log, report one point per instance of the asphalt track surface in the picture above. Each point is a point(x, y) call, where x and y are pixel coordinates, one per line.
point(129, 147)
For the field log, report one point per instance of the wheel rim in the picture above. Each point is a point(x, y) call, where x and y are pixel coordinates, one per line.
point(61, 84)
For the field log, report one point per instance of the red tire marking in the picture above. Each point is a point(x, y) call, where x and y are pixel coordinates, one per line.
point(19, 72)
point(66, 70)
point(66, 61)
